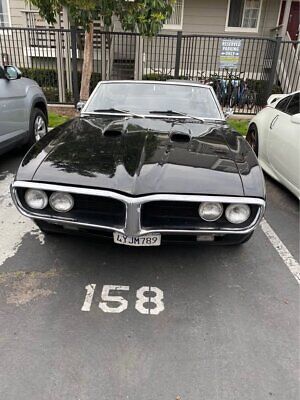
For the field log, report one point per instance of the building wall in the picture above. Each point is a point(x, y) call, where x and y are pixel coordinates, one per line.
point(271, 16)
point(200, 16)
point(17, 17)
point(204, 16)
point(209, 17)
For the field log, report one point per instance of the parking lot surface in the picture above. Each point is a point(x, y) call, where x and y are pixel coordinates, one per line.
point(192, 322)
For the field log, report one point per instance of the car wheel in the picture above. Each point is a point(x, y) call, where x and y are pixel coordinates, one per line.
point(37, 126)
point(252, 138)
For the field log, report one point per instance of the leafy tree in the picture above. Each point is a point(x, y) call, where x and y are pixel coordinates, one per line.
point(145, 16)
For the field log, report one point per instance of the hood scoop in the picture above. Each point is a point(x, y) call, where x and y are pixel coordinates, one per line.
point(180, 134)
point(115, 128)
point(112, 132)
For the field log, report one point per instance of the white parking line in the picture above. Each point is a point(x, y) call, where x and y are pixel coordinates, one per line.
point(13, 225)
point(281, 249)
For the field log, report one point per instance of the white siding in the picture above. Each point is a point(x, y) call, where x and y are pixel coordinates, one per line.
point(209, 17)
point(204, 16)
point(17, 16)
point(271, 12)
point(200, 16)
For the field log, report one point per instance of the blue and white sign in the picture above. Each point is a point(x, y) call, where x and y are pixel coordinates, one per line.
point(230, 53)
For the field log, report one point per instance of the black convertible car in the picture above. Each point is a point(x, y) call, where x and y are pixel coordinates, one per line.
point(145, 162)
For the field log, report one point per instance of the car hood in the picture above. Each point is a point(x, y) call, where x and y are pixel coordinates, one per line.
point(137, 156)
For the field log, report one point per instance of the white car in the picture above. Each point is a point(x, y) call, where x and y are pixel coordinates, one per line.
point(274, 135)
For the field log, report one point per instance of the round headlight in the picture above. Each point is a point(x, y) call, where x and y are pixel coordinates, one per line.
point(61, 202)
point(36, 199)
point(210, 211)
point(237, 213)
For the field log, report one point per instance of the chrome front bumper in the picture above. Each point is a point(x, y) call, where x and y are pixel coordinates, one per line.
point(132, 226)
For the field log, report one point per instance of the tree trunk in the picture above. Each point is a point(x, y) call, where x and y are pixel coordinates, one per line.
point(87, 66)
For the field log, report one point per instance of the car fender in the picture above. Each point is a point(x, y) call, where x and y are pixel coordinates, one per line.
point(249, 169)
point(261, 121)
point(37, 99)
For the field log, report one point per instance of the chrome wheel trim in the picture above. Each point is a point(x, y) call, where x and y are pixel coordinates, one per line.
point(40, 128)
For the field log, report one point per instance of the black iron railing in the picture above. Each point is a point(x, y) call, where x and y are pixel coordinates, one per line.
point(243, 70)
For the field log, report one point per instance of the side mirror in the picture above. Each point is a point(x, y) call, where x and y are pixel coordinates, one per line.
point(228, 113)
point(80, 105)
point(11, 73)
point(295, 119)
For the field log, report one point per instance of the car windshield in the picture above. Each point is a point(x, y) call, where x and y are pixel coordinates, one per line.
point(154, 98)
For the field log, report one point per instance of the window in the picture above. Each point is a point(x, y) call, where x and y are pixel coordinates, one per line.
point(294, 105)
point(243, 15)
point(152, 98)
point(4, 14)
point(281, 106)
point(176, 19)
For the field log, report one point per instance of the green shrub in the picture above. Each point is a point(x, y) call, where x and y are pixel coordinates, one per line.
point(156, 77)
point(44, 77)
point(95, 79)
point(261, 89)
point(48, 80)
point(161, 77)
point(276, 89)
point(51, 94)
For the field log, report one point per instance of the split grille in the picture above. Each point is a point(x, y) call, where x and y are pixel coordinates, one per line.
point(89, 209)
point(150, 215)
point(183, 215)
point(175, 214)
point(106, 210)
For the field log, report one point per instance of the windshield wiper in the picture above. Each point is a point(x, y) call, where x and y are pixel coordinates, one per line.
point(117, 110)
point(172, 112)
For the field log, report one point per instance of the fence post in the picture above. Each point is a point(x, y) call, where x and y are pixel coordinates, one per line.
point(138, 59)
point(178, 51)
point(104, 69)
point(67, 49)
point(60, 66)
point(74, 64)
point(274, 65)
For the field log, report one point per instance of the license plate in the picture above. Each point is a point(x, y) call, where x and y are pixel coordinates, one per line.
point(152, 239)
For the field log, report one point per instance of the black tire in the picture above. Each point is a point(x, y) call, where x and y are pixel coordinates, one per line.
point(252, 138)
point(38, 126)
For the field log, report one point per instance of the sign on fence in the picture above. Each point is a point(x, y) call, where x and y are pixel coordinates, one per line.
point(230, 53)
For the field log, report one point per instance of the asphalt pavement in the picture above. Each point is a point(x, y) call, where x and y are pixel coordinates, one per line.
point(190, 323)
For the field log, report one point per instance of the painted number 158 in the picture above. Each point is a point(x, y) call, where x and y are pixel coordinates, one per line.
point(149, 299)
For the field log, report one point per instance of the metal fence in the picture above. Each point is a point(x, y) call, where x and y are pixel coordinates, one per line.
point(53, 57)
point(44, 55)
point(288, 65)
